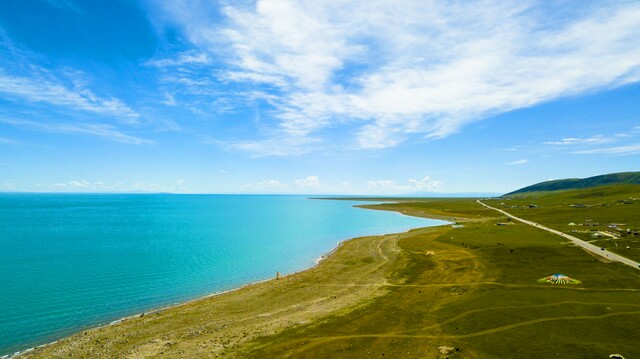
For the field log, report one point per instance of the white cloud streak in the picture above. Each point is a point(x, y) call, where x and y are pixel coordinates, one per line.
point(7, 141)
point(617, 150)
point(182, 59)
point(38, 89)
point(424, 68)
point(518, 162)
point(268, 186)
point(625, 143)
point(99, 130)
point(593, 140)
point(309, 184)
point(426, 184)
point(83, 185)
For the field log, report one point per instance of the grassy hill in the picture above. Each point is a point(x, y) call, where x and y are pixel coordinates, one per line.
point(578, 183)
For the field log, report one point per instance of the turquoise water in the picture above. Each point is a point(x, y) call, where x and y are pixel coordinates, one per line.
point(68, 262)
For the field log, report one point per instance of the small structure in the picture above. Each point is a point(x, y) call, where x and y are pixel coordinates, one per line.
point(430, 253)
point(558, 278)
point(277, 275)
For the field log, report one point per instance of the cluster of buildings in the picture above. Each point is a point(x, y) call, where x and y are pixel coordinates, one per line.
point(613, 230)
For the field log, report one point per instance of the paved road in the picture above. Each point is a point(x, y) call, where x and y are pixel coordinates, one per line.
point(586, 245)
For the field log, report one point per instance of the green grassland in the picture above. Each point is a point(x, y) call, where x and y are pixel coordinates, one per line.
point(452, 209)
point(464, 292)
point(582, 183)
point(478, 295)
point(618, 204)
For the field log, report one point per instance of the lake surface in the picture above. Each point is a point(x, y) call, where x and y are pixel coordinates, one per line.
point(72, 261)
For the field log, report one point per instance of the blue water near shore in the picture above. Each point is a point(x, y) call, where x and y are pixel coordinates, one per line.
point(69, 262)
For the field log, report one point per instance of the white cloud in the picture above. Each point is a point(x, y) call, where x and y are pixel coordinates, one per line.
point(518, 162)
point(593, 140)
point(413, 185)
point(82, 184)
point(77, 185)
point(179, 185)
point(100, 130)
point(618, 150)
point(139, 186)
point(422, 68)
point(7, 141)
point(51, 91)
point(593, 145)
point(309, 183)
point(268, 186)
point(100, 186)
point(169, 100)
point(184, 58)
point(274, 146)
point(7, 186)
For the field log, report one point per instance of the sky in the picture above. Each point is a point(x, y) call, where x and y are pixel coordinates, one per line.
point(315, 97)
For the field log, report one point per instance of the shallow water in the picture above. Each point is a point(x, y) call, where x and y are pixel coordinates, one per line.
point(69, 262)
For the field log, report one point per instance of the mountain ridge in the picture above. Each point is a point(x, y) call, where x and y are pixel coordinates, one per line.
point(580, 183)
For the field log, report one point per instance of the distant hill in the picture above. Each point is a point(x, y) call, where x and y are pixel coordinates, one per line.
point(579, 183)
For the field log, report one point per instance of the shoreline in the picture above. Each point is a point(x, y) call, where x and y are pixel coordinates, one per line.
point(317, 262)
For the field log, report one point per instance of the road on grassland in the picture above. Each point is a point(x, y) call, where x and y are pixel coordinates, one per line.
point(586, 245)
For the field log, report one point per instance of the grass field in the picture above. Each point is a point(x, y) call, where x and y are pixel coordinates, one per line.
point(466, 292)
point(619, 204)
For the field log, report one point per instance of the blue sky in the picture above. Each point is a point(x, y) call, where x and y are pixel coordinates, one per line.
point(340, 97)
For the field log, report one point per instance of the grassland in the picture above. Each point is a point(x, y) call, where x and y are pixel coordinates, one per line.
point(465, 292)
point(590, 211)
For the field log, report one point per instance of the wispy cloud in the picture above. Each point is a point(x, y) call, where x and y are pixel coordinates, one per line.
point(99, 130)
point(618, 150)
point(273, 146)
point(422, 69)
point(7, 141)
point(518, 162)
point(83, 185)
point(268, 186)
point(182, 59)
point(26, 76)
point(593, 140)
point(625, 143)
point(412, 185)
point(8, 186)
point(39, 89)
point(309, 184)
